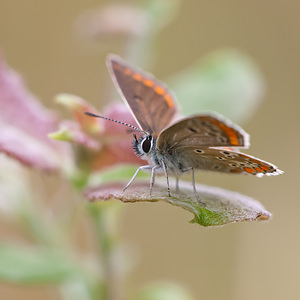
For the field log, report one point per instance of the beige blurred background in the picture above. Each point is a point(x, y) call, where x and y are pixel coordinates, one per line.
point(238, 261)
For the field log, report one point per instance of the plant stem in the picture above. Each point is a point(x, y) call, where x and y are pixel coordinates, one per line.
point(105, 217)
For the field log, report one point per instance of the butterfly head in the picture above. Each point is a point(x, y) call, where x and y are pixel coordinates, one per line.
point(144, 146)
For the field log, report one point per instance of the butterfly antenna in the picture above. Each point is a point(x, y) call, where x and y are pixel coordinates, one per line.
point(116, 121)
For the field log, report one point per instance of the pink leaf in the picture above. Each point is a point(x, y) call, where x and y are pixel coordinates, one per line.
point(221, 206)
point(109, 142)
point(25, 124)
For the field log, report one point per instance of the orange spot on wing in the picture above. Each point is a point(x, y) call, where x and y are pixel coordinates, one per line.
point(169, 100)
point(137, 77)
point(127, 71)
point(264, 167)
point(237, 170)
point(148, 82)
point(256, 161)
point(249, 170)
point(115, 65)
point(159, 90)
point(232, 135)
point(259, 169)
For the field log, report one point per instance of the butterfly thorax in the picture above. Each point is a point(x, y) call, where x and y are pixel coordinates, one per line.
point(145, 148)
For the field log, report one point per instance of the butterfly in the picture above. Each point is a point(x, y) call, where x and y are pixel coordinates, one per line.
point(200, 142)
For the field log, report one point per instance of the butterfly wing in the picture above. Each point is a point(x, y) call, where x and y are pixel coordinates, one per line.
point(150, 101)
point(222, 160)
point(202, 131)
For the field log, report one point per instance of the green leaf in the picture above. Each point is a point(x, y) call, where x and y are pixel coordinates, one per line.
point(62, 135)
point(34, 265)
point(162, 12)
point(163, 291)
point(79, 289)
point(225, 81)
point(220, 206)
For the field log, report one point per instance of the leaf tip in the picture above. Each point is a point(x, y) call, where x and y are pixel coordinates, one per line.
point(264, 216)
point(61, 135)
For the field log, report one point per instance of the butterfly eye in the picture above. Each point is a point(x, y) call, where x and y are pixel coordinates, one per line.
point(147, 144)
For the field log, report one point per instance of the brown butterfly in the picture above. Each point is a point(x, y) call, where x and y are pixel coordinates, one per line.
point(200, 142)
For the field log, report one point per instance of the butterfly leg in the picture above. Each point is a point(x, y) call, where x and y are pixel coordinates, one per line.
point(152, 178)
point(135, 174)
point(194, 185)
point(167, 177)
point(177, 184)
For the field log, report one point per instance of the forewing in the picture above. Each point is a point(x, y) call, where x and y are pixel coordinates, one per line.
point(203, 131)
point(222, 160)
point(151, 102)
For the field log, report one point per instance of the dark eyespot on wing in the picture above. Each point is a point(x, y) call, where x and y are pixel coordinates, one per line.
point(137, 97)
point(192, 130)
point(199, 151)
